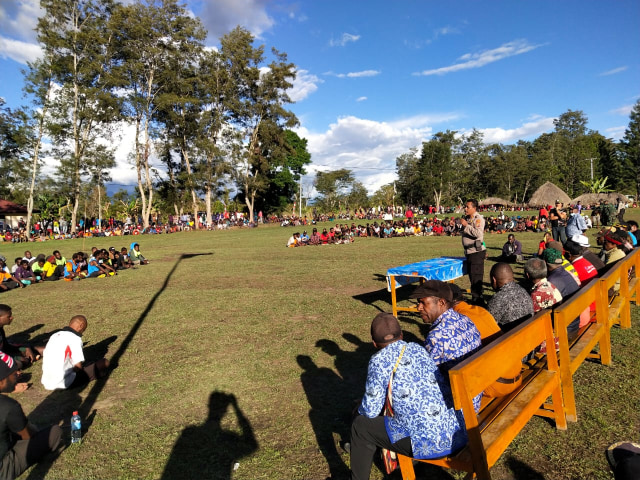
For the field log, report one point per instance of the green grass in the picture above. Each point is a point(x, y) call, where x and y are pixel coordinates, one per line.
point(284, 332)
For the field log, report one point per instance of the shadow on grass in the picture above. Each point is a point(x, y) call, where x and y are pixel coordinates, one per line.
point(25, 335)
point(522, 471)
point(62, 402)
point(208, 450)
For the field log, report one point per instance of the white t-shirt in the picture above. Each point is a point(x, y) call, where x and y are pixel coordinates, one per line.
point(63, 351)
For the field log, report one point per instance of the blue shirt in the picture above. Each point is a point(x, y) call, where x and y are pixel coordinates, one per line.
point(453, 337)
point(421, 399)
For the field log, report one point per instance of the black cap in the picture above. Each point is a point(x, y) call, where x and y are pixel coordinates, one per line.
point(433, 288)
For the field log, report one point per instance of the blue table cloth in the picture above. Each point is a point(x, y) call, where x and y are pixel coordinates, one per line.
point(443, 268)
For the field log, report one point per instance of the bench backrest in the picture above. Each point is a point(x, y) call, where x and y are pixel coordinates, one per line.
point(567, 311)
point(474, 374)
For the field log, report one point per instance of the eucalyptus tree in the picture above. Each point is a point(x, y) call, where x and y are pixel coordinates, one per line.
point(436, 168)
point(150, 36)
point(259, 115)
point(75, 35)
point(180, 104)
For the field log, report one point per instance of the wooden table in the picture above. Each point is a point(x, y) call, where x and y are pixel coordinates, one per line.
point(446, 269)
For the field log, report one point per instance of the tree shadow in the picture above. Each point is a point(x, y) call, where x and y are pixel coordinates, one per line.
point(208, 450)
point(61, 403)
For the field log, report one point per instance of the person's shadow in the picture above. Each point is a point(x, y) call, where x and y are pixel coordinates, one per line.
point(325, 390)
point(209, 451)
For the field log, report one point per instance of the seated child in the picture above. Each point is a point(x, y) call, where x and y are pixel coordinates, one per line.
point(63, 359)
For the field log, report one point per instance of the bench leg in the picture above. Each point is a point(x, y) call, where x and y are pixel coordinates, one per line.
point(605, 347)
point(625, 316)
point(406, 467)
point(559, 412)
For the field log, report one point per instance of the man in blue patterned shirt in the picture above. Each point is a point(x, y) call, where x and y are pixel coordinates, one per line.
point(424, 423)
point(452, 336)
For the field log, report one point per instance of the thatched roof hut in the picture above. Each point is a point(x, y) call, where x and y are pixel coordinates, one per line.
point(592, 198)
point(548, 194)
point(494, 201)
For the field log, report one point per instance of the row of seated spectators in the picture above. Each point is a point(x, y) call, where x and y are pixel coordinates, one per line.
point(29, 270)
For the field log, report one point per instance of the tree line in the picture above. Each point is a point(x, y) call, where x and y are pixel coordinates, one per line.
point(449, 168)
point(216, 118)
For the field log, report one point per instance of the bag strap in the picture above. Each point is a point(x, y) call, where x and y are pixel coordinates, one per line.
point(392, 373)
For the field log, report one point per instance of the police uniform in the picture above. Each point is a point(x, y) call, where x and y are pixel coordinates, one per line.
point(474, 250)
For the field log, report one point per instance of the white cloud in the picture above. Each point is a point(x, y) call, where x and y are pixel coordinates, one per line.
point(304, 85)
point(477, 60)
point(616, 133)
point(18, 18)
point(361, 99)
point(21, 52)
point(221, 16)
point(624, 110)
point(527, 130)
point(343, 40)
point(363, 73)
point(368, 147)
point(614, 71)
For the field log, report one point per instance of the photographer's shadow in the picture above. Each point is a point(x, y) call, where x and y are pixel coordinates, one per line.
point(209, 451)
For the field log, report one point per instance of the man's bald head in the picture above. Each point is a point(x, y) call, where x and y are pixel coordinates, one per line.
point(501, 274)
point(78, 323)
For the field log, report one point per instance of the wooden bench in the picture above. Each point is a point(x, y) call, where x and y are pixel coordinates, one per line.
point(574, 351)
point(491, 431)
point(632, 266)
point(618, 311)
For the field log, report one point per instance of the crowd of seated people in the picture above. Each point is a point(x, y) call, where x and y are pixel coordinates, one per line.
point(101, 263)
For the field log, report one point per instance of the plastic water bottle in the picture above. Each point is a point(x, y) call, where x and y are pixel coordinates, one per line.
point(76, 428)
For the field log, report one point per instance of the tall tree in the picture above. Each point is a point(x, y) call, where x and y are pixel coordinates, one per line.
point(39, 86)
point(436, 167)
point(574, 149)
point(410, 190)
point(75, 34)
point(259, 111)
point(180, 104)
point(333, 186)
point(149, 36)
point(631, 143)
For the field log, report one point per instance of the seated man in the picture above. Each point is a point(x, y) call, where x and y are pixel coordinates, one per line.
point(23, 355)
point(62, 364)
point(567, 283)
point(452, 336)
point(51, 270)
point(423, 424)
point(24, 273)
point(511, 303)
point(135, 255)
point(315, 238)
point(511, 250)
point(294, 240)
point(8, 281)
point(21, 444)
point(544, 294)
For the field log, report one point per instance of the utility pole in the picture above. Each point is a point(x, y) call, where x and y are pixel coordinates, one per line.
point(591, 161)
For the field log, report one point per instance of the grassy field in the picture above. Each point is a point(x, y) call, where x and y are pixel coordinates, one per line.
point(239, 358)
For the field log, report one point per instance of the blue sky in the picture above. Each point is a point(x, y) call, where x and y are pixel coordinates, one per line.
point(377, 77)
